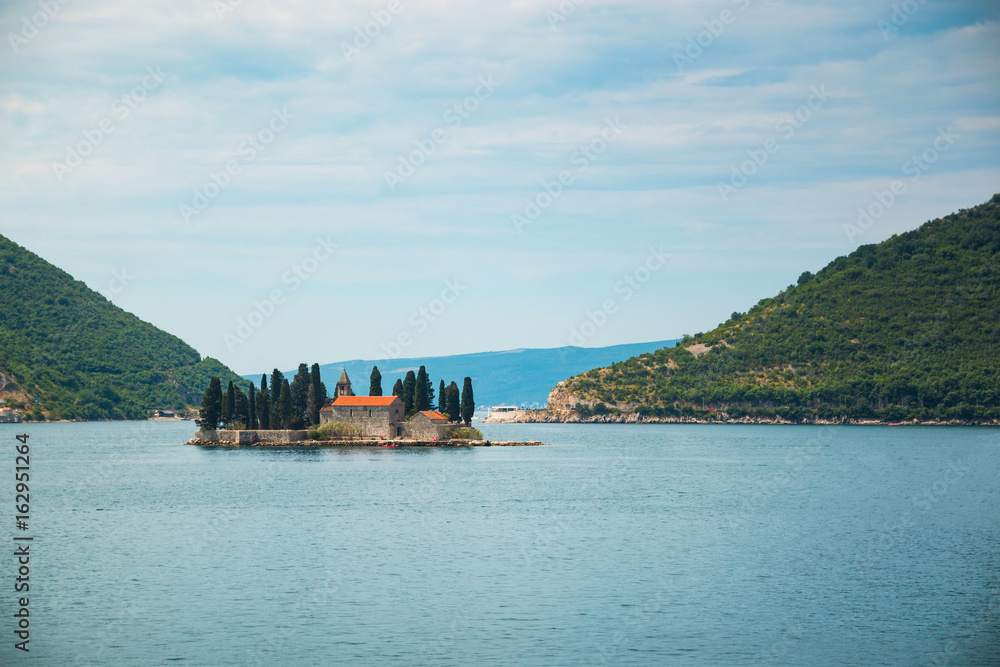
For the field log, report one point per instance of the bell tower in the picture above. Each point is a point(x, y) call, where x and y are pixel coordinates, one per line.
point(344, 385)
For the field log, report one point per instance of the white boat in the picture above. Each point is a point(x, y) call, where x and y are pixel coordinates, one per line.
point(503, 409)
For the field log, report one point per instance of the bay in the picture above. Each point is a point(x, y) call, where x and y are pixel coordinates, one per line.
point(616, 544)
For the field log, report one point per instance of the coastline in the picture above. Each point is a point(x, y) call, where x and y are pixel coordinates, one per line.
point(552, 417)
point(198, 442)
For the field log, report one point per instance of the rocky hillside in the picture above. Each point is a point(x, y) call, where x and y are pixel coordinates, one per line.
point(81, 356)
point(904, 329)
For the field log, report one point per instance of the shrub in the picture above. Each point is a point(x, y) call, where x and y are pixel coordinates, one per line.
point(335, 431)
point(467, 433)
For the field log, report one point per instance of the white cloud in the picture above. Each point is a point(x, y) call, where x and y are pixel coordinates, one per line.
point(558, 86)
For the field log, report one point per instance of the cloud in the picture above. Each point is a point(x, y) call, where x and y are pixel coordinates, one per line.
point(559, 83)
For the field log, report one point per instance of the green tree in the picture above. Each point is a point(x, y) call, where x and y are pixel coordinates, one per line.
point(228, 405)
point(420, 399)
point(241, 409)
point(397, 389)
point(300, 392)
point(274, 419)
point(409, 385)
point(468, 402)
point(375, 384)
point(319, 389)
point(264, 404)
point(286, 411)
point(311, 406)
point(252, 404)
point(442, 399)
point(454, 412)
point(211, 405)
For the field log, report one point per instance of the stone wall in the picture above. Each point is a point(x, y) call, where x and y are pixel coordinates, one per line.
point(425, 430)
point(250, 437)
point(375, 421)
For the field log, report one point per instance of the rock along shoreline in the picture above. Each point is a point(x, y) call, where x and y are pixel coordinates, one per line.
point(551, 417)
point(369, 443)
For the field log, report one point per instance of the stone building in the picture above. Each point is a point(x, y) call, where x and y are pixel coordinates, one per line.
point(383, 416)
point(378, 416)
point(428, 425)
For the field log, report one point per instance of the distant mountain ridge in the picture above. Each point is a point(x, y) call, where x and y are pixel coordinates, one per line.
point(904, 329)
point(516, 377)
point(80, 355)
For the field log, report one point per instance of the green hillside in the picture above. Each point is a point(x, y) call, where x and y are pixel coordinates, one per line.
point(82, 356)
point(905, 329)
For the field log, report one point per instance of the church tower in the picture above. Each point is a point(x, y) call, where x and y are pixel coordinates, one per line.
point(344, 386)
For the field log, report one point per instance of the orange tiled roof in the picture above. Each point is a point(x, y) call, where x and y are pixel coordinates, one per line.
point(433, 414)
point(365, 401)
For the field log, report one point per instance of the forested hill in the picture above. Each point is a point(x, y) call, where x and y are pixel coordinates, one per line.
point(82, 356)
point(905, 329)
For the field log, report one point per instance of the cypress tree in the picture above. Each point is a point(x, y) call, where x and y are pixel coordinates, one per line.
point(229, 404)
point(252, 405)
point(264, 404)
point(241, 409)
point(277, 378)
point(300, 392)
point(442, 399)
point(397, 389)
point(375, 384)
point(311, 406)
point(211, 406)
point(454, 412)
point(286, 412)
point(409, 384)
point(320, 390)
point(468, 402)
point(420, 399)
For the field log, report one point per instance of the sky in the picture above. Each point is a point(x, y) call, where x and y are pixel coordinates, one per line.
point(285, 182)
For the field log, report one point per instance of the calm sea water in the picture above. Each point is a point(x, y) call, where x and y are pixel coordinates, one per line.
point(637, 545)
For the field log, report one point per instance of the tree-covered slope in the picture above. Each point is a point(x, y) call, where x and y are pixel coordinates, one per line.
point(907, 328)
point(82, 356)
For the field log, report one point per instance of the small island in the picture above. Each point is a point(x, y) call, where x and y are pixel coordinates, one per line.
point(345, 421)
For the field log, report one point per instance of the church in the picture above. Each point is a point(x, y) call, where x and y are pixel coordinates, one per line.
point(383, 417)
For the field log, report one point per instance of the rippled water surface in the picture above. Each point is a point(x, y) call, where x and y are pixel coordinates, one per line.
point(618, 544)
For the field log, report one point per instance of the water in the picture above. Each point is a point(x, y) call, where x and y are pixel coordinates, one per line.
point(637, 545)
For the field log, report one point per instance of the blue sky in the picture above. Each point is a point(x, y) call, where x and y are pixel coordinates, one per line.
point(586, 172)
